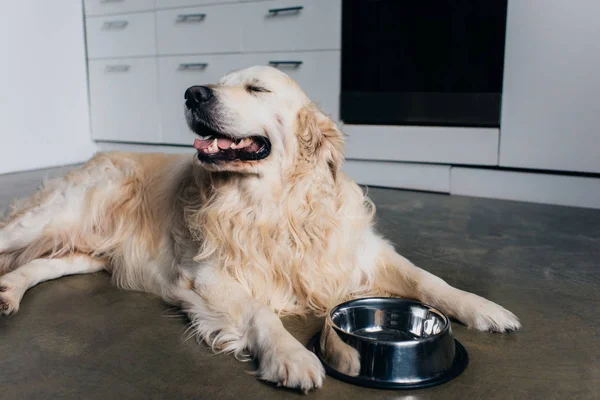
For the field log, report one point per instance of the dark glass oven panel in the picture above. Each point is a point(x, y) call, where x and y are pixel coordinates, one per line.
point(424, 62)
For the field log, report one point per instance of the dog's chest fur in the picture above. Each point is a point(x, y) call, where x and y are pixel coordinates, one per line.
point(285, 247)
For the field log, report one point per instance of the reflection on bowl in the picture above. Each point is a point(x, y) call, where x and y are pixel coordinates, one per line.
point(390, 343)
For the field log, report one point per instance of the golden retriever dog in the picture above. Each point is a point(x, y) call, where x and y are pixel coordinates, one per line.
point(260, 222)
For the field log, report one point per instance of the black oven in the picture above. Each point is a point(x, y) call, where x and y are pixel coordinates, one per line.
point(422, 62)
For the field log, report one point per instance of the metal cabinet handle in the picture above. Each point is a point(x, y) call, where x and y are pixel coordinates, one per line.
point(115, 24)
point(294, 64)
point(111, 1)
point(193, 65)
point(191, 17)
point(117, 68)
point(276, 11)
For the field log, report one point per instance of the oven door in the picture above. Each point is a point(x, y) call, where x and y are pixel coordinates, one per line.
point(422, 62)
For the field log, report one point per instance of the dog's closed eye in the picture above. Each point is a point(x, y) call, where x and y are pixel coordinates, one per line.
point(256, 89)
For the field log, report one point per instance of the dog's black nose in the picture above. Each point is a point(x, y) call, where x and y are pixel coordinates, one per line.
point(199, 94)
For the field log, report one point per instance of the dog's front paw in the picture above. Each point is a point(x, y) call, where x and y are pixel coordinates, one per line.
point(484, 315)
point(9, 299)
point(295, 367)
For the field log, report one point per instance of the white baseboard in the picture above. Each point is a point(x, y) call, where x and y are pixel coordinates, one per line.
point(433, 178)
point(144, 148)
point(543, 188)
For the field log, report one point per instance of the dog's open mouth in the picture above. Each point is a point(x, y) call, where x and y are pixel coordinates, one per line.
point(217, 147)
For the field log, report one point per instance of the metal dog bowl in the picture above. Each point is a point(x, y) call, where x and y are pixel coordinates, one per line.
point(390, 344)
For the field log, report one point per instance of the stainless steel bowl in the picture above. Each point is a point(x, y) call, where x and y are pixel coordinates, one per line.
point(389, 343)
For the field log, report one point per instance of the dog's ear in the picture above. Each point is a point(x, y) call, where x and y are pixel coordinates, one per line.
point(320, 139)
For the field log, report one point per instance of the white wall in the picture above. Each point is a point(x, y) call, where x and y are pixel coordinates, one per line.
point(44, 118)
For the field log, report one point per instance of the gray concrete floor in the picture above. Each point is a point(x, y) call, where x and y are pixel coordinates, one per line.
point(80, 337)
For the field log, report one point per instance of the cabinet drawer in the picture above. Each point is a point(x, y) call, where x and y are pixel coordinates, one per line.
point(317, 73)
point(102, 7)
point(176, 74)
point(288, 25)
point(124, 100)
point(188, 3)
point(212, 29)
point(121, 36)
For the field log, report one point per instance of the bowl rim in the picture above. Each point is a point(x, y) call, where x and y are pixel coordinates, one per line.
point(347, 304)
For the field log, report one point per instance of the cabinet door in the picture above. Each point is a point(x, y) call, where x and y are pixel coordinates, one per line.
point(291, 25)
point(317, 73)
point(178, 73)
point(104, 7)
point(550, 107)
point(121, 35)
point(188, 3)
point(197, 30)
point(123, 100)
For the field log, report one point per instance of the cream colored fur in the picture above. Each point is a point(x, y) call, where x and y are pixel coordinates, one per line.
point(235, 245)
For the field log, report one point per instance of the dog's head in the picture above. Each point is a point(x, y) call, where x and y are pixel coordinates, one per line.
point(257, 118)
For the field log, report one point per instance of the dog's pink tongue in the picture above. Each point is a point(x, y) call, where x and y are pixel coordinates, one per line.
point(202, 144)
point(224, 143)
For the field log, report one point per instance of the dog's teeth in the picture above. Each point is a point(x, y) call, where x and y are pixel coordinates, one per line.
point(233, 145)
point(214, 146)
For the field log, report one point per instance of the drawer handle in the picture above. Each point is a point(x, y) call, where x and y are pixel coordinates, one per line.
point(193, 66)
point(118, 68)
point(111, 1)
point(294, 64)
point(115, 24)
point(275, 11)
point(191, 17)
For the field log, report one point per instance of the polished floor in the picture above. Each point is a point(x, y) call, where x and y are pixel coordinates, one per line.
point(81, 338)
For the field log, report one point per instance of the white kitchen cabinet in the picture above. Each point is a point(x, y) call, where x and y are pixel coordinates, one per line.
point(197, 30)
point(141, 63)
point(292, 25)
point(317, 73)
point(124, 100)
point(178, 73)
point(188, 3)
point(121, 35)
point(550, 105)
point(106, 7)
